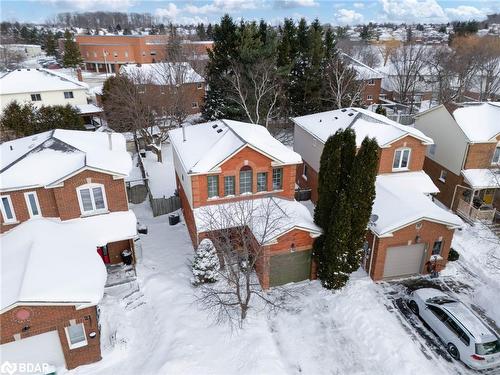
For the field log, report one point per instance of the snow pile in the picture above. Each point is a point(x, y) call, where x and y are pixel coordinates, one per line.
point(49, 157)
point(46, 260)
point(161, 176)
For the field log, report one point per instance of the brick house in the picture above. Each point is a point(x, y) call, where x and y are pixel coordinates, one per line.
point(225, 165)
point(107, 53)
point(407, 226)
point(464, 162)
point(64, 217)
point(371, 80)
point(169, 83)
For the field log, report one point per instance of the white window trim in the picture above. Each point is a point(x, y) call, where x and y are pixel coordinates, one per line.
point(402, 149)
point(94, 211)
point(5, 220)
point(369, 97)
point(81, 343)
point(194, 105)
point(304, 171)
point(493, 162)
point(199, 86)
point(441, 178)
point(371, 82)
point(30, 211)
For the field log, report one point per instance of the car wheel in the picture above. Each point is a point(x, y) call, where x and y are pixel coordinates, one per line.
point(452, 349)
point(414, 307)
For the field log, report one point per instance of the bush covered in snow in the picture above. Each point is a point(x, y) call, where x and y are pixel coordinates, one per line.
point(205, 264)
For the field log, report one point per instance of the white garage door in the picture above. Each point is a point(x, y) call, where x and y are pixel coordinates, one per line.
point(39, 349)
point(403, 260)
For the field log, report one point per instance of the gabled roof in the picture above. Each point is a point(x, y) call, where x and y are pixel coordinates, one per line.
point(49, 260)
point(268, 218)
point(46, 158)
point(402, 199)
point(37, 80)
point(363, 70)
point(209, 144)
point(365, 123)
point(479, 122)
point(163, 73)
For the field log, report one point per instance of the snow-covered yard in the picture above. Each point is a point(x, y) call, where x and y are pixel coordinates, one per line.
point(161, 175)
point(156, 327)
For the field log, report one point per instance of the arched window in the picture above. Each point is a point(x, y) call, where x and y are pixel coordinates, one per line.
point(92, 199)
point(245, 180)
point(401, 159)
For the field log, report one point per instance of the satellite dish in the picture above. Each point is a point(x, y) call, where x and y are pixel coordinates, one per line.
point(373, 218)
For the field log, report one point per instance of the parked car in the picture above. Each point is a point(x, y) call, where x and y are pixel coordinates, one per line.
point(466, 336)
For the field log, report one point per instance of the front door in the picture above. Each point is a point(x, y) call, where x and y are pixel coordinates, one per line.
point(103, 252)
point(488, 196)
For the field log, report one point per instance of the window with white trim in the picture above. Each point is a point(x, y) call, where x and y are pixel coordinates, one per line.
point(277, 178)
point(369, 97)
point(443, 175)
point(92, 199)
point(32, 204)
point(213, 186)
point(401, 159)
point(371, 82)
point(245, 180)
point(9, 216)
point(95, 54)
point(199, 86)
point(36, 97)
point(304, 171)
point(75, 334)
point(437, 247)
point(229, 185)
point(262, 181)
point(68, 95)
point(432, 149)
point(126, 53)
point(194, 105)
point(496, 156)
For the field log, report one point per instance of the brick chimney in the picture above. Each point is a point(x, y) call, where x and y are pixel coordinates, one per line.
point(79, 74)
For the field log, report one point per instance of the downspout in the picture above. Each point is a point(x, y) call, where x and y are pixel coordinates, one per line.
point(371, 254)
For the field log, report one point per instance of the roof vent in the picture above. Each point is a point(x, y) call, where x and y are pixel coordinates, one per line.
point(11, 148)
point(28, 70)
point(214, 126)
point(336, 118)
point(320, 120)
point(31, 145)
point(219, 130)
point(343, 110)
point(350, 114)
point(34, 138)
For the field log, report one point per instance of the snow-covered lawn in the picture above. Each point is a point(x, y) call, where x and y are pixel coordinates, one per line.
point(161, 175)
point(160, 329)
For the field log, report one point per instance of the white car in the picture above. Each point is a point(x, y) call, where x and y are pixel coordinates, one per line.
point(465, 335)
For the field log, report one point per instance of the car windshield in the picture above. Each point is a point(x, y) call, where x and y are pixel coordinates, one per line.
point(441, 300)
point(488, 348)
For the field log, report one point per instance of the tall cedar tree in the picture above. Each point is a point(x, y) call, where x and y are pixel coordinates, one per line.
point(71, 58)
point(346, 192)
point(50, 44)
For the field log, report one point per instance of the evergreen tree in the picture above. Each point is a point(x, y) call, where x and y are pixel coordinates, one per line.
point(200, 31)
point(50, 44)
point(71, 56)
point(59, 117)
point(287, 47)
point(381, 110)
point(206, 263)
point(210, 31)
point(20, 118)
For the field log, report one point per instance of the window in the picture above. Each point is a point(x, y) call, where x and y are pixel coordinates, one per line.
point(369, 97)
point(194, 105)
point(457, 330)
point(304, 171)
point(68, 95)
point(87, 53)
point(488, 348)
point(143, 53)
point(199, 86)
point(95, 54)
point(32, 204)
point(7, 210)
point(262, 181)
point(371, 82)
point(153, 53)
point(92, 198)
point(440, 314)
point(115, 54)
point(229, 185)
point(213, 186)
point(277, 178)
point(401, 159)
point(141, 89)
point(496, 156)
point(432, 149)
point(76, 336)
point(436, 249)
point(443, 175)
point(36, 97)
point(245, 180)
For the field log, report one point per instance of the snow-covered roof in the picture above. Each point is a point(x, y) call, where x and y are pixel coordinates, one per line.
point(163, 73)
point(267, 218)
point(88, 108)
point(479, 122)
point(365, 124)
point(46, 158)
point(402, 199)
point(37, 80)
point(48, 260)
point(207, 145)
point(363, 70)
point(482, 178)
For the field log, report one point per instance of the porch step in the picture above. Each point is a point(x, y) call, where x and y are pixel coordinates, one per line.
point(133, 299)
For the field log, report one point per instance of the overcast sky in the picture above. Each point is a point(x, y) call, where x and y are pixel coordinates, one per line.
point(337, 12)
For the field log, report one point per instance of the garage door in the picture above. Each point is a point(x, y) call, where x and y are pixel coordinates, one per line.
point(290, 267)
point(39, 349)
point(403, 260)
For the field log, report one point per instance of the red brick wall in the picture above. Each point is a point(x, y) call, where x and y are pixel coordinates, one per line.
point(310, 182)
point(50, 318)
point(189, 92)
point(480, 155)
point(46, 199)
point(187, 213)
point(258, 163)
point(373, 90)
point(429, 233)
point(115, 250)
point(67, 198)
point(417, 156)
point(446, 188)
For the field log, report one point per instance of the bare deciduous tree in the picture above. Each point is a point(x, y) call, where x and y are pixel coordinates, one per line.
point(10, 58)
point(239, 230)
point(344, 88)
point(488, 67)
